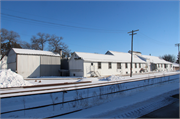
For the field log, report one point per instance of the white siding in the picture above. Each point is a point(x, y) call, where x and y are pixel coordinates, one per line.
point(105, 71)
point(28, 65)
point(49, 66)
point(76, 67)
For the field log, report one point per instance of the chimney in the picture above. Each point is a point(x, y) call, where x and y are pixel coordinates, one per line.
point(149, 54)
point(60, 52)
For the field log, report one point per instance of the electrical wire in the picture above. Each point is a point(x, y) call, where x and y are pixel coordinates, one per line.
point(58, 24)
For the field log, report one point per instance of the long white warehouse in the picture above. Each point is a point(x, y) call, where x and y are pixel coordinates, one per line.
point(112, 63)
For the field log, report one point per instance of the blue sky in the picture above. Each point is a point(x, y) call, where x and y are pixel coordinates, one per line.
point(99, 26)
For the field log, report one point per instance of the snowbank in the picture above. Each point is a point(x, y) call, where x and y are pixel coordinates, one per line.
point(110, 78)
point(114, 78)
point(11, 79)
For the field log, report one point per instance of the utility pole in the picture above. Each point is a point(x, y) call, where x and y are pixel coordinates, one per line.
point(178, 44)
point(132, 33)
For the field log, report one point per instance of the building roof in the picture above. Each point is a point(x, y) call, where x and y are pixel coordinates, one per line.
point(175, 65)
point(154, 59)
point(34, 52)
point(125, 57)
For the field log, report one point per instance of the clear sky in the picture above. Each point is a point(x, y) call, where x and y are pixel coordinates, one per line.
point(98, 26)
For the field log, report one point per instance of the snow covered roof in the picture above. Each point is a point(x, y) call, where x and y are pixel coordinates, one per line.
point(124, 57)
point(106, 58)
point(34, 52)
point(175, 65)
point(96, 57)
point(155, 59)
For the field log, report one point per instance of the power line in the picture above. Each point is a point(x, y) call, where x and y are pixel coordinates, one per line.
point(57, 23)
point(153, 39)
point(40, 16)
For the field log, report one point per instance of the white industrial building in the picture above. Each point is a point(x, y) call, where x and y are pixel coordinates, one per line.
point(156, 63)
point(112, 63)
point(33, 63)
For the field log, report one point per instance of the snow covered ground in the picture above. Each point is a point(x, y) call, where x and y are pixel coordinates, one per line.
point(127, 100)
point(9, 78)
point(12, 79)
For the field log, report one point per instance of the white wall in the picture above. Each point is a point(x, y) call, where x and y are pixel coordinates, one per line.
point(105, 71)
point(28, 65)
point(76, 67)
point(49, 66)
point(162, 68)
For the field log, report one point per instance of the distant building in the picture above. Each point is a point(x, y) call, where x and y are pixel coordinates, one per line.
point(176, 66)
point(155, 63)
point(112, 63)
point(33, 63)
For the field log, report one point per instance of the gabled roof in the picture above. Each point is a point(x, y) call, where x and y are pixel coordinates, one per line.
point(34, 52)
point(125, 57)
point(107, 57)
point(154, 59)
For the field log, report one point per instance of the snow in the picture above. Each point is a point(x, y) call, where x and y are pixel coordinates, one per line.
point(11, 79)
point(125, 57)
point(118, 57)
point(34, 52)
point(175, 65)
point(139, 97)
point(97, 107)
point(155, 59)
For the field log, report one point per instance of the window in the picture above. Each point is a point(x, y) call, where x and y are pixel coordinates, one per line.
point(126, 65)
point(99, 65)
point(139, 65)
point(109, 65)
point(161, 65)
point(164, 65)
point(171, 65)
point(91, 64)
point(126, 72)
point(135, 65)
point(118, 65)
point(136, 71)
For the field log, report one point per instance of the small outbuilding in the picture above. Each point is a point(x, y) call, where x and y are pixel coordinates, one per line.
point(34, 63)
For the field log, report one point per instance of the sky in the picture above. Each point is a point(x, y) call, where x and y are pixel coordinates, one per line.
point(98, 26)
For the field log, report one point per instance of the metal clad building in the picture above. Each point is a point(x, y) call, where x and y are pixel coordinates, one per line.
point(33, 63)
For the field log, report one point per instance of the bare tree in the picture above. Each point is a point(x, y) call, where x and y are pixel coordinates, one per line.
point(4, 34)
point(38, 42)
point(25, 45)
point(55, 43)
point(9, 39)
